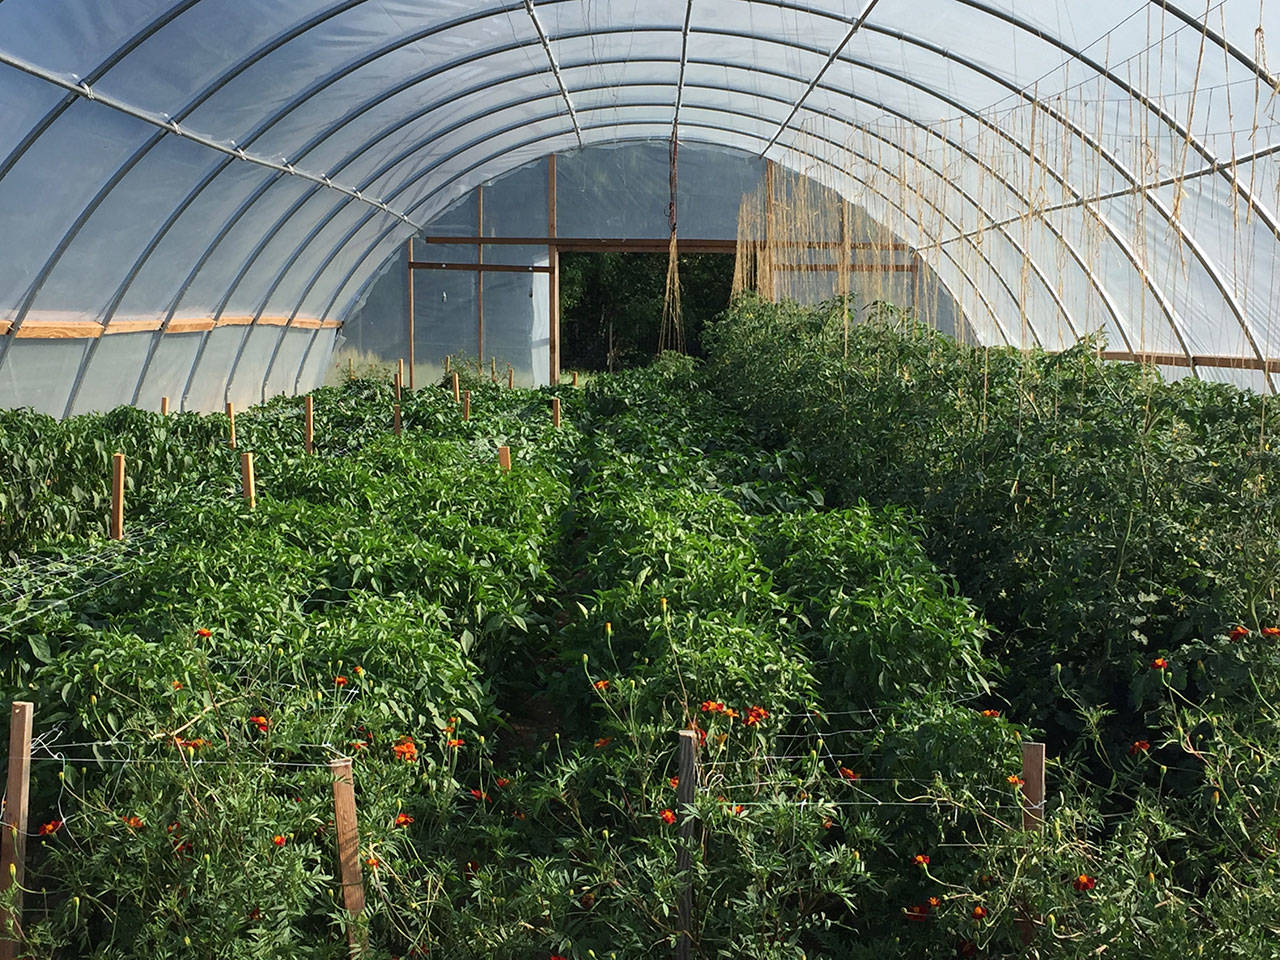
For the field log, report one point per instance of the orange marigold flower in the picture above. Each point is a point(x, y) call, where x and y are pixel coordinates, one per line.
point(921, 859)
point(979, 912)
point(848, 774)
point(668, 817)
point(278, 840)
point(991, 714)
point(403, 820)
point(1084, 882)
point(1271, 631)
point(919, 913)
point(755, 715)
point(502, 781)
point(371, 862)
point(1238, 633)
point(739, 810)
point(53, 826)
point(1139, 746)
point(357, 744)
point(177, 684)
point(174, 827)
point(601, 684)
point(204, 632)
point(133, 822)
point(827, 823)
point(731, 713)
point(479, 794)
point(340, 681)
point(712, 706)
point(261, 723)
point(1015, 780)
point(674, 781)
point(1159, 663)
point(457, 742)
point(406, 750)
point(935, 902)
point(358, 671)
point(603, 742)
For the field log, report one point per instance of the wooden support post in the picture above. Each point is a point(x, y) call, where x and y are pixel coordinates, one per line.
point(410, 332)
point(466, 405)
point(344, 821)
point(555, 412)
point(684, 852)
point(395, 418)
point(164, 406)
point(1032, 786)
point(455, 386)
point(511, 378)
point(248, 484)
point(309, 429)
point(117, 496)
point(553, 277)
point(493, 369)
point(480, 274)
point(13, 838)
point(231, 422)
point(504, 459)
point(575, 378)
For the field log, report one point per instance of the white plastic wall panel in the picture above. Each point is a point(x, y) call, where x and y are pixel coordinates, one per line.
point(509, 321)
point(110, 362)
point(39, 374)
point(286, 360)
point(170, 367)
point(206, 388)
point(245, 385)
point(316, 361)
point(446, 322)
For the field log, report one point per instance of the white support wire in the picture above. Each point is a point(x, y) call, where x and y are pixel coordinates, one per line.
point(555, 69)
point(73, 84)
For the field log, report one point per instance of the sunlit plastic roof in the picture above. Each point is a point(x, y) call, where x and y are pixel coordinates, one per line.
point(169, 168)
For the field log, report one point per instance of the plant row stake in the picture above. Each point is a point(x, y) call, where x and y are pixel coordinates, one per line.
point(13, 835)
point(117, 496)
point(1032, 814)
point(684, 851)
point(575, 378)
point(164, 406)
point(344, 821)
point(395, 418)
point(511, 378)
point(504, 459)
point(466, 405)
point(248, 485)
point(555, 412)
point(308, 435)
point(455, 386)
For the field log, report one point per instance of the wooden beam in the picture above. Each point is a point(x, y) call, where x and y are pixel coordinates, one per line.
point(13, 839)
point(553, 278)
point(479, 267)
point(409, 274)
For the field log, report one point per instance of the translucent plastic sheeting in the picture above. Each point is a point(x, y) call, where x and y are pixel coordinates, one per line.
point(202, 159)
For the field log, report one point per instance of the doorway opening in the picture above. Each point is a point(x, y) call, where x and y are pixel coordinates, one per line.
point(611, 305)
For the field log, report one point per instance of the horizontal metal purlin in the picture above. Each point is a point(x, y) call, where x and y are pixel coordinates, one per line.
point(478, 267)
point(1199, 360)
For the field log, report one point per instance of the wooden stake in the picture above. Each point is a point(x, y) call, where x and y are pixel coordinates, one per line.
point(511, 378)
point(555, 412)
point(493, 369)
point(395, 418)
point(455, 386)
point(344, 820)
point(447, 358)
point(684, 852)
point(231, 419)
point(117, 496)
point(308, 436)
point(466, 405)
point(164, 406)
point(351, 368)
point(399, 379)
point(575, 378)
point(13, 831)
point(248, 485)
point(504, 459)
point(1032, 786)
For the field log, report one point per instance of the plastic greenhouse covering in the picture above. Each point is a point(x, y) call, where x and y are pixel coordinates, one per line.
point(204, 199)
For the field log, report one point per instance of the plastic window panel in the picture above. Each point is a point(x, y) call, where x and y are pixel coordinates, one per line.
point(293, 286)
point(50, 186)
point(170, 367)
point(341, 261)
point(1242, 247)
point(610, 191)
point(516, 205)
point(317, 361)
point(157, 281)
point(509, 320)
point(40, 374)
point(248, 295)
point(376, 328)
point(187, 55)
point(24, 100)
point(284, 372)
point(1244, 379)
point(207, 388)
point(112, 372)
point(445, 318)
point(215, 277)
point(73, 36)
point(86, 276)
point(275, 81)
point(245, 387)
point(712, 184)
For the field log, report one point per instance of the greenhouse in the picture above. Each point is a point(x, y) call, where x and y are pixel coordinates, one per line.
point(695, 478)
